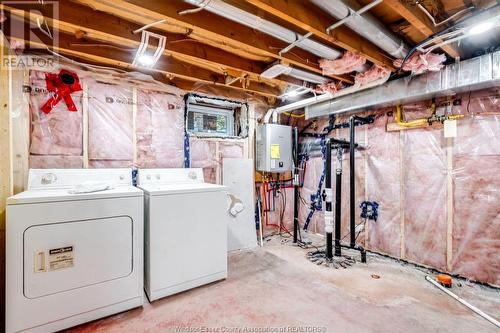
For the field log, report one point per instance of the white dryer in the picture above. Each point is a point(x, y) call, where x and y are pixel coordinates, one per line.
point(185, 230)
point(73, 257)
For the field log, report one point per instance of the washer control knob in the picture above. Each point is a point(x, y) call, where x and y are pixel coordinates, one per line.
point(49, 178)
point(192, 175)
point(148, 177)
point(158, 176)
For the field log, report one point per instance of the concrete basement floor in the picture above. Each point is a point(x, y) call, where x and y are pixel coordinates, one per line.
point(276, 286)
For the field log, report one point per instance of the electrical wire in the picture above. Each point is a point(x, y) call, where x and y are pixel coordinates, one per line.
point(433, 20)
point(357, 225)
point(415, 48)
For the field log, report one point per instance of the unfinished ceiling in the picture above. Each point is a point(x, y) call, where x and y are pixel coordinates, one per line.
point(230, 43)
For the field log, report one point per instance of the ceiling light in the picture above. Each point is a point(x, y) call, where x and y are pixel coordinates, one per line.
point(143, 56)
point(481, 28)
point(145, 60)
point(294, 92)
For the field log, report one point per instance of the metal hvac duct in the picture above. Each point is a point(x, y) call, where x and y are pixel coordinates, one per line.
point(255, 22)
point(365, 25)
point(473, 74)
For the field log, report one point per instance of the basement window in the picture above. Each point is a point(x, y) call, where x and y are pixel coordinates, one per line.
point(214, 117)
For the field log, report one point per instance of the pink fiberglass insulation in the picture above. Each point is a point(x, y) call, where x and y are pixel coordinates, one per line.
point(476, 102)
point(60, 131)
point(406, 172)
point(383, 183)
point(424, 196)
point(359, 182)
point(110, 164)
point(476, 183)
point(55, 162)
point(314, 169)
point(328, 87)
point(110, 122)
point(160, 130)
point(420, 63)
point(203, 155)
point(281, 214)
point(375, 73)
point(349, 62)
point(230, 149)
point(476, 223)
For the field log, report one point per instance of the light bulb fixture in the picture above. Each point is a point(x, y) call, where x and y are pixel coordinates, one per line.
point(481, 28)
point(145, 60)
point(142, 57)
point(294, 92)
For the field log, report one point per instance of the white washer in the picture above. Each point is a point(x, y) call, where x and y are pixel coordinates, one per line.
point(73, 258)
point(185, 230)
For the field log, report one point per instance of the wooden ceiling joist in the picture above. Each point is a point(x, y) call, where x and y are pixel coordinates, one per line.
point(100, 26)
point(309, 18)
point(419, 21)
point(69, 45)
point(206, 26)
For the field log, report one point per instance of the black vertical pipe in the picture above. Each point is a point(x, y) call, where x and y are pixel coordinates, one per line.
point(295, 184)
point(352, 201)
point(328, 188)
point(338, 202)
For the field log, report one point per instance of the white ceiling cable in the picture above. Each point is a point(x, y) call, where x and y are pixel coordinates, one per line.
point(457, 35)
point(147, 26)
point(437, 24)
point(195, 10)
point(44, 27)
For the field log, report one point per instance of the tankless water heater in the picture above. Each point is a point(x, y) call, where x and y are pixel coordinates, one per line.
point(273, 147)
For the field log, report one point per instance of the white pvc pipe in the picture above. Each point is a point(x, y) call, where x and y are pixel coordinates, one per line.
point(464, 302)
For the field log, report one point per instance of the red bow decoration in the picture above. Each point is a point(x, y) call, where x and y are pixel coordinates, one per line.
point(62, 85)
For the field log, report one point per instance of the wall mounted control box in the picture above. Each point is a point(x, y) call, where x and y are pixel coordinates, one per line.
point(273, 148)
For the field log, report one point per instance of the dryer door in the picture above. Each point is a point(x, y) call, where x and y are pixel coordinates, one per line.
point(64, 256)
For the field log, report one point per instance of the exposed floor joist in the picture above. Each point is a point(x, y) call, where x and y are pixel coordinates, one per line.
point(109, 56)
point(206, 26)
point(420, 22)
point(100, 26)
point(306, 17)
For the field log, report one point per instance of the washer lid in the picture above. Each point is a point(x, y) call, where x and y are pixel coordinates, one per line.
point(57, 195)
point(160, 189)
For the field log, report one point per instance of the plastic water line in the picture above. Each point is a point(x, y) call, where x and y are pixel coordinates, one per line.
point(464, 302)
